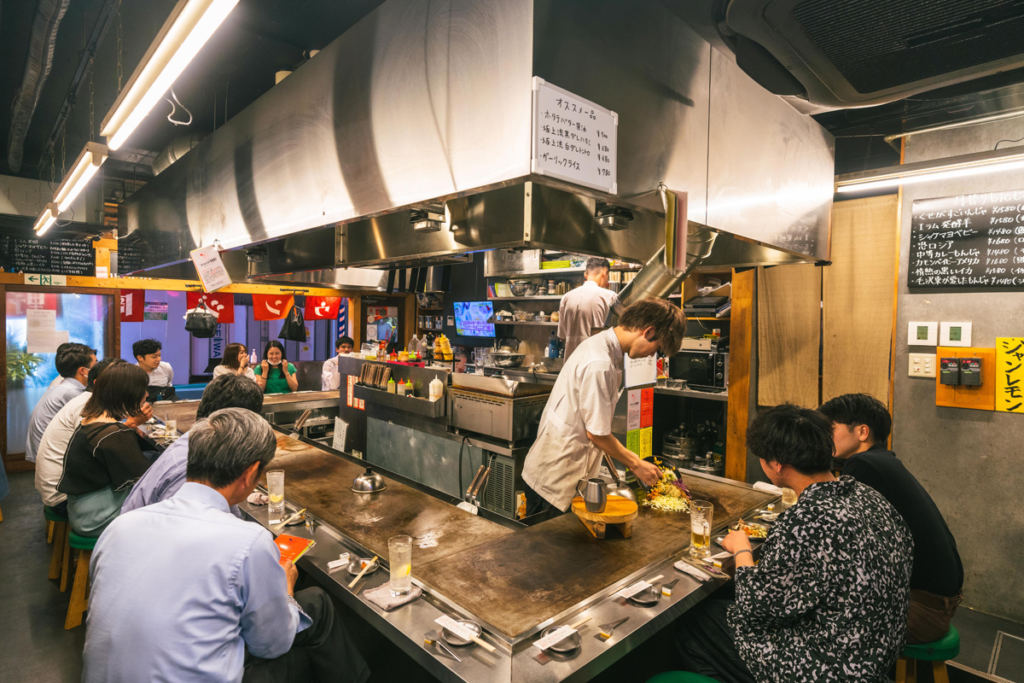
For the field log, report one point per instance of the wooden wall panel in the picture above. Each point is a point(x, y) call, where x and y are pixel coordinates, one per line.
point(740, 351)
point(857, 291)
point(789, 335)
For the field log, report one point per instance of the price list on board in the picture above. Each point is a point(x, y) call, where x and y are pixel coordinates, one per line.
point(55, 256)
point(574, 139)
point(972, 241)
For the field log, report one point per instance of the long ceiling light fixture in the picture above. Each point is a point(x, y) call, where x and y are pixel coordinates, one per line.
point(186, 30)
point(46, 219)
point(994, 161)
point(82, 171)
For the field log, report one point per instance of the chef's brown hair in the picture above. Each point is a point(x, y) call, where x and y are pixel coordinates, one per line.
point(668, 321)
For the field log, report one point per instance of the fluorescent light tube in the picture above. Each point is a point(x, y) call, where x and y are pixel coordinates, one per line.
point(190, 25)
point(46, 219)
point(82, 171)
point(939, 169)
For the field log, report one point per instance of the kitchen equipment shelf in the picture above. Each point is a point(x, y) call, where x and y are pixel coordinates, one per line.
point(409, 404)
point(527, 323)
point(722, 396)
point(546, 297)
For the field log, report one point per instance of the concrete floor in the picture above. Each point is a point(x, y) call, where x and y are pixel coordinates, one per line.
point(35, 647)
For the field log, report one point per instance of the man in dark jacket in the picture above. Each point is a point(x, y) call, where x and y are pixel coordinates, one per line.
point(860, 428)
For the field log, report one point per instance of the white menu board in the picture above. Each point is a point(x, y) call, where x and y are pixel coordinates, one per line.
point(574, 139)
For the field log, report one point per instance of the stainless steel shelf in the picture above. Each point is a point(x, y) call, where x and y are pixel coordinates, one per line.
point(693, 393)
point(546, 297)
point(528, 323)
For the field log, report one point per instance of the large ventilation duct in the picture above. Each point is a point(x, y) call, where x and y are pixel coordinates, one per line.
point(42, 42)
point(178, 148)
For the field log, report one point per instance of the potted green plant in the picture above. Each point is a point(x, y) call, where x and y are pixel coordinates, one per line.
point(20, 364)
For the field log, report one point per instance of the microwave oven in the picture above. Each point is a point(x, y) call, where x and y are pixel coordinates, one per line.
point(708, 369)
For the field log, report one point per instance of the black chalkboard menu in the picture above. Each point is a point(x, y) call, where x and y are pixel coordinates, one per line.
point(129, 257)
point(55, 256)
point(971, 241)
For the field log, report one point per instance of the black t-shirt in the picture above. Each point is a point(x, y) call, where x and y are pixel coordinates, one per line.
point(937, 566)
point(102, 454)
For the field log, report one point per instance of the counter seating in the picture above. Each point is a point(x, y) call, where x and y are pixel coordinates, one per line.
point(57, 529)
point(680, 677)
point(937, 652)
point(80, 589)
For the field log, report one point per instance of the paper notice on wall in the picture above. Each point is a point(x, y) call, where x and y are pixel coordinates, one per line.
point(633, 441)
point(42, 334)
point(1009, 373)
point(641, 371)
point(646, 442)
point(633, 409)
point(340, 433)
point(211, 268)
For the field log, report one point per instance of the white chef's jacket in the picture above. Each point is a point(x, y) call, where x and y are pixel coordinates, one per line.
point(330, 378)
point(583, 400)
point(580, 311)
point(162, 376)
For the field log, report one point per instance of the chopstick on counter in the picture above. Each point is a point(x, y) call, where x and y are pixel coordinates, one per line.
point(484, 644)
point(579, 623)
point(290, 519)
point(362, 571)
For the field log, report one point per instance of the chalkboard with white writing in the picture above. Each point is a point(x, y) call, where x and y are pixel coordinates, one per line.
point(55, 256)
point(970, 241)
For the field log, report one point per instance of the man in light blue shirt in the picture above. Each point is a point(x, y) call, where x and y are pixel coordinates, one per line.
point(167, 474)
point(182, 590)
point(73, 364)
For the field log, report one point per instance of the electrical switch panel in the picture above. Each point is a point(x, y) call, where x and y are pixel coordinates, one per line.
point(949, 371)
point(922, 365)
point(970, 372)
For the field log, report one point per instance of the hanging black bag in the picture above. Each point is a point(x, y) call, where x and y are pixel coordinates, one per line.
point(201, 322)
point(294, 328)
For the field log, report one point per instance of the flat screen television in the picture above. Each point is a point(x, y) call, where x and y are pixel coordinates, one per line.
point(473, 318)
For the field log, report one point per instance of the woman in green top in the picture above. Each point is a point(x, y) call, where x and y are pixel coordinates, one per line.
point(275, 375)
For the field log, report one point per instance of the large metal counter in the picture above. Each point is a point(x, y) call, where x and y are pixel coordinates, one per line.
point(513, 580)
point(277, 408)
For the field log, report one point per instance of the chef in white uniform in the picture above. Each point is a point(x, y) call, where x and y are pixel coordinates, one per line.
point(577, 422)
point(585, 308)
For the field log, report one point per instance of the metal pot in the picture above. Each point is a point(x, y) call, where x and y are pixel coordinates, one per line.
point(507, 359)
point(369, 482)
point(519, 287)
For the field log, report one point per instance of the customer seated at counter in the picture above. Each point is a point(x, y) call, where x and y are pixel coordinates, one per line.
point(73, 363)
point(861, 425)
point(235, 362)
point(184, 591)
point(331, 378)
point(50, 455)
point(147, 354)
point(828, 600)
point(275, 375)
point(167, 475)
point(105, 457)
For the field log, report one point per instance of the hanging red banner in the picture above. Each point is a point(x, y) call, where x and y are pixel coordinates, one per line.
point(271, 306)
point(322, 307)
point(221, 305)
point(132, 303)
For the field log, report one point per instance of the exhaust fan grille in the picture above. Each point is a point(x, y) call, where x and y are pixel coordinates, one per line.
point(880, 44)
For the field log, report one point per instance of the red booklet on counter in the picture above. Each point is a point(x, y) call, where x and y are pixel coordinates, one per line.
point(293, 547)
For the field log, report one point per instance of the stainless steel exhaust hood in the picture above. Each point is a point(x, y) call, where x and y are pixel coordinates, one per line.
point(409, 139)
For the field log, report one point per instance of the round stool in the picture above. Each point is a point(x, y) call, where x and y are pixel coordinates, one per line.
point(57, 532)
point(79, 590)
point(680, 677)
point(938, 652)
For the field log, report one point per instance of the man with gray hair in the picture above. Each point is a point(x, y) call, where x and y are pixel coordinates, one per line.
point(184, 590)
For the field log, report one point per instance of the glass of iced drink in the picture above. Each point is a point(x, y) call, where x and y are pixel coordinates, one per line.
point(701, 512)
point(400, 559)
point(275, 492)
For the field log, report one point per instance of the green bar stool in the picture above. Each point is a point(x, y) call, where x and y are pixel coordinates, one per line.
point(680, 677)
point(60, 557)
point(937, 652)
point(80, 589)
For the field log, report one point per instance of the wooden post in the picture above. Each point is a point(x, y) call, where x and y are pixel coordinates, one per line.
point(740, 351)
point(355, 314)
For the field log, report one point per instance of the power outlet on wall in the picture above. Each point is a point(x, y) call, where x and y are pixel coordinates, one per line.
point(922, 365)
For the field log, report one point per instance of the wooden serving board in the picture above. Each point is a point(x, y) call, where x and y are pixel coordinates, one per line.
point(619, 512)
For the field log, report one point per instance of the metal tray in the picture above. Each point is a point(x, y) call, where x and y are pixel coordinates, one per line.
point(568, 644)
point(452, 639)
point(409, 404)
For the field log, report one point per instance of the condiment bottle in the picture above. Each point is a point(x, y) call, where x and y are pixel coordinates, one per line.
point(436, 389)
point(401, 387)
point(391, 386)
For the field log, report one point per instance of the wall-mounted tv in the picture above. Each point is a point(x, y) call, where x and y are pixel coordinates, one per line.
point(473, 318)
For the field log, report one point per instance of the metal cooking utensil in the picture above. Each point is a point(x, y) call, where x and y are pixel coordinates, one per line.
point(619, 488)
point(608, 629)
point(647, 597)
point(568, 644)
point(452, 639)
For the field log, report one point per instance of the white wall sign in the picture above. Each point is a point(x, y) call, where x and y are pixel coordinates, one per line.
point(211, 268)
point(574, 139)
point(641, 371)
point(41, 334)
point(340, 432)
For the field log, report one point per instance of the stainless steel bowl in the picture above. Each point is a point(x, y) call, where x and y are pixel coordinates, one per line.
point(519, 287)
point(459, 641)
point(507, 359)
point(369, 482)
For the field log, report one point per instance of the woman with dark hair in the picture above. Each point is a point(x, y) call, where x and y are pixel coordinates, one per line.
point(105, 457)
point(275, 375)
point(236, 362)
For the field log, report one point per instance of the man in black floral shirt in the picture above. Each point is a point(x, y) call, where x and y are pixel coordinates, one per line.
point(829, 599)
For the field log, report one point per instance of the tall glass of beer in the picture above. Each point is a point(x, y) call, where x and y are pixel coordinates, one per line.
point(701, 512)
